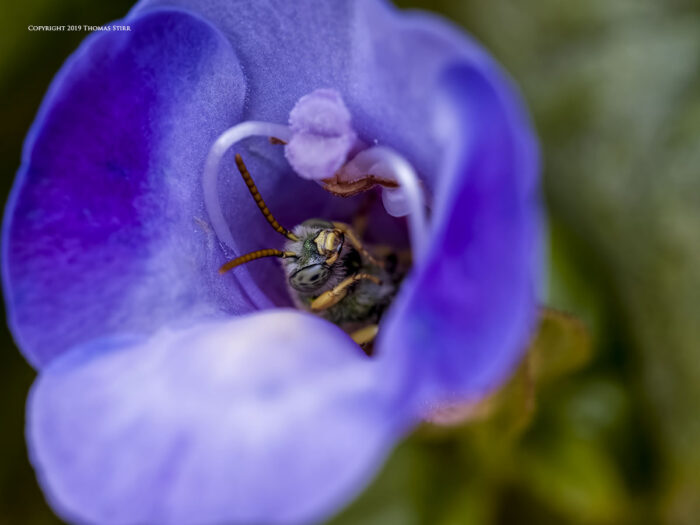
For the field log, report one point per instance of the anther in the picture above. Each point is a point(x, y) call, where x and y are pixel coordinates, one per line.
point(404, 200)
point(322, 134)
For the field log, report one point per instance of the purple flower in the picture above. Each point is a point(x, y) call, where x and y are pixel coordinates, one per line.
point(168, 393)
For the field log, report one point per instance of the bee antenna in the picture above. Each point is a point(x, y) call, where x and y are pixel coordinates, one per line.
point(260, 202)
point(258, 254)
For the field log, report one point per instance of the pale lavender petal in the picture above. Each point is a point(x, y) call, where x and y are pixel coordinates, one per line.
point(268, 418)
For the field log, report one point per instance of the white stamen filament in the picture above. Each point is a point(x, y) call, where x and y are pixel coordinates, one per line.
point(211, 168)
point(380, 161)
point(384, 162)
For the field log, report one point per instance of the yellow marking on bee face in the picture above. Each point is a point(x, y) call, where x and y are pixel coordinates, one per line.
point(328, 243)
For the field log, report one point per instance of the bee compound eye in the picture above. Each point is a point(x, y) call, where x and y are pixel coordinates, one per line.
point(310, 277)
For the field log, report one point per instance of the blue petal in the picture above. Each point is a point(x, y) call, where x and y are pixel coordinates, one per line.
point(464, 320)
point(385, 63)
point(105, 231)
point(271, 417)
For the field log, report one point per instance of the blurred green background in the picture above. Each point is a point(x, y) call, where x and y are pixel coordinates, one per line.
point(614, 89)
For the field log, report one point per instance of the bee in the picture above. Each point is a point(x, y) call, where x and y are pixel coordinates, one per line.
point(329, 271)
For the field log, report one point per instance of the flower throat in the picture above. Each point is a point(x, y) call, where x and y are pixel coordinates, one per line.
point(330, 271)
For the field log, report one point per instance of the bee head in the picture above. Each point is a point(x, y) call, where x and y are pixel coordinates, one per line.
point(319, 248)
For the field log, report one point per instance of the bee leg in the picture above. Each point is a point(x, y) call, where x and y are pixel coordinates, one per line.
point(365, 334)
point(337, 293)
point(356, 242)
